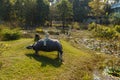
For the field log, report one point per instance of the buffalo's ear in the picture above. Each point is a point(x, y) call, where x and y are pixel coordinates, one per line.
point(29, 47)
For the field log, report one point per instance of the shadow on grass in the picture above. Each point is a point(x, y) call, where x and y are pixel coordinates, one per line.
point(45, 60)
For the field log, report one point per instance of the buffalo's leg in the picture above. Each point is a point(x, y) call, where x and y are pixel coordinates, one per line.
point(60, 55)
point(36, 52)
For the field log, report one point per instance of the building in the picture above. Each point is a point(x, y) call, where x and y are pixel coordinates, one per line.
point(116, 7)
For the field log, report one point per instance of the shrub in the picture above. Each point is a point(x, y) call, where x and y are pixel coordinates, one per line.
point(53, 32)
point(76, 25)
point(1, 28)
point(105, 32)
point(91, 26)
point(8, 34)
point(108, 33)
point(114, 72)
point(117, 28)
point(114, 18)
point(38, 30)
point(83, 27)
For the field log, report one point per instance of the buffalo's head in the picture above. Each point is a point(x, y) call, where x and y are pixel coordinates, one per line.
point(29, 47)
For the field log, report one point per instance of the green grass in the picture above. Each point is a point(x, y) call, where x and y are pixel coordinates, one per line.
point(18, 63)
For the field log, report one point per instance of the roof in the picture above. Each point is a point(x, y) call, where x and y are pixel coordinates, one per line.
point(117, 5)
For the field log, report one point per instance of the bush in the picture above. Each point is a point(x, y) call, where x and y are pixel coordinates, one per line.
point(114, 72)
point(83, 27)
point(117, 28)
point(2, 27)
point(92, 26)
point(76, 25)
point(38, 30)
point(114, 18)
point(105, 32)
point(53, 32)
point(8, 34)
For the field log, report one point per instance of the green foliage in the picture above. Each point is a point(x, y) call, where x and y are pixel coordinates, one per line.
point(38, 30)
point(97, 8)
point(80, 9)
point(65, 10)
point(5, 10)
point(114, 18)
point(117, 28)
point(24, 12)
point(8, 34)
point(114, 71)
point(91, 26)
point(51, 32)
point(76, 25)
point(114, 67)
point(1, 28)
point(41, 12)
point(105, 32)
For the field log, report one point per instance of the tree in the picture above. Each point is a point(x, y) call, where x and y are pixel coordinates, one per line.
point(114, 18)
point(42, 12)
point(1, 8)
point(53, 15)
point(65, 10)
point(18, 11)
point(80, 10)
point(5, 10)
point(97, 8)
point(30, 12)
point(71, 1)
point(25, 12)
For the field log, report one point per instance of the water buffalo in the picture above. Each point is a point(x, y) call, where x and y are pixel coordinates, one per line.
point(51, 45)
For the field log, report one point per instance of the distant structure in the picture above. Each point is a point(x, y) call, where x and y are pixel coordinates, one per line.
point(116, 7)
point(109, 1)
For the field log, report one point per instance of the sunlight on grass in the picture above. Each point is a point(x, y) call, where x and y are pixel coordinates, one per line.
point(21, 64)
point(70, 49)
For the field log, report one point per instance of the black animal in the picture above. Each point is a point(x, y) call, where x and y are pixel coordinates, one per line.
point(51, 45)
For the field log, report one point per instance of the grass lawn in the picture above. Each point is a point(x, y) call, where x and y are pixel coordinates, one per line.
point(18, 63)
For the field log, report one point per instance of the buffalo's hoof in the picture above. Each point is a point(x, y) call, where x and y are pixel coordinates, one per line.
point(36, 54)
point(61, 60)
